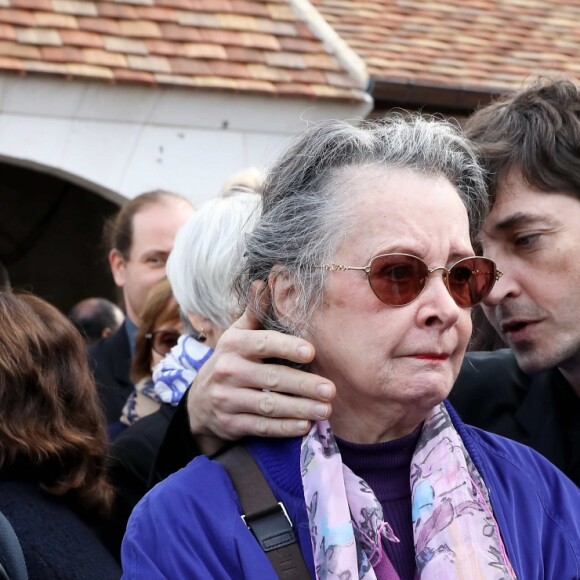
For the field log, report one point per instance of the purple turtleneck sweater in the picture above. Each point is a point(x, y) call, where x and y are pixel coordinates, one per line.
point(386, 468)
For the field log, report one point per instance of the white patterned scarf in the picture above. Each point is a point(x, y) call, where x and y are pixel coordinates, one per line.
point(173, 375)
point(455, 532)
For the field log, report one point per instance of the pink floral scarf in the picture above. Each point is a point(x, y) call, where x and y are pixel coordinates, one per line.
point(455, 532)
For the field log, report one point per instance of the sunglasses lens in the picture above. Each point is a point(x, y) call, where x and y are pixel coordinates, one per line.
point(471, 280)
point(164, 341)
point(397, 279)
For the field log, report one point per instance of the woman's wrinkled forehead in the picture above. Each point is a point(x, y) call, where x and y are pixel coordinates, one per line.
point(402, 207)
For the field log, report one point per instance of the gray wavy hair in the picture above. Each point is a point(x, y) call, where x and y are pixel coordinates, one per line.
point(306, 211)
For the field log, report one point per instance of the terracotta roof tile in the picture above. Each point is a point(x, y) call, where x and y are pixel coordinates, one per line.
point(32, 4)
point(40, 36)
point(115, 10)
point(14, 64)
point(94, 56)
point(53, 20)
point(62, 54)
point(242, 45)
point(100, 25)
point(149, 63)
point(80, 7)
point(125, 45)
point(209, 51)
point(87, 70)
point(13, 49)
point(139, 29)
point(18, 17)
point(176, 33)
point(7, 32)
point(45, 67)
point(81, 38)
point(131, 76)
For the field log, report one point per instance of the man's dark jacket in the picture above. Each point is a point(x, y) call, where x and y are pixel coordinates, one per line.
point(540, 410)
point(110, 360)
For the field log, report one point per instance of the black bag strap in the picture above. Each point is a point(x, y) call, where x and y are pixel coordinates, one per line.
point(264, 515)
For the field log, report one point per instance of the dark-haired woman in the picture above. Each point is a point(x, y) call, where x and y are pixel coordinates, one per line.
point(53, 444)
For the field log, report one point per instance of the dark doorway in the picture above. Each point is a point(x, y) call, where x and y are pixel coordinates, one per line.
point(51, 237)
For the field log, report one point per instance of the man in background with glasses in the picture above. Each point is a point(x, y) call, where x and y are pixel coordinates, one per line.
point(530, 143)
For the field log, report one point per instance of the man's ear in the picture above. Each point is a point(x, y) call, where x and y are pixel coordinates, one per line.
point(284, 294)
point(118, 264)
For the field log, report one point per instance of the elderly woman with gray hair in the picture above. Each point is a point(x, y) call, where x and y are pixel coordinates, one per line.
point(363, 249)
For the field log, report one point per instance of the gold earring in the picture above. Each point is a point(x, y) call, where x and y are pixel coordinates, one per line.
point(201, 337)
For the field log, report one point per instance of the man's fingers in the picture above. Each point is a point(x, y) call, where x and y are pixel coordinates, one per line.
point(258, 345)
point(267, 404)
point(266, 427)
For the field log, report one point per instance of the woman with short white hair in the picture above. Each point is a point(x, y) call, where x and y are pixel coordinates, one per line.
point(201, 268)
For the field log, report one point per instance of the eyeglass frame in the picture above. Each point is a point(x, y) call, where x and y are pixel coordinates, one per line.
point(150, 336)
point(367, 270)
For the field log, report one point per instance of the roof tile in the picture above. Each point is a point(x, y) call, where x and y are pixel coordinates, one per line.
point(38, 36)
point(178, 33)
point(202, 20)
point(45, 67)
point(185, 66)
point(149, 63)
point(13, 49)
point(211, 51)
point(240, 54)
point(100, 25)
point(115, 10)
point(140, 29)
point(18, 17)
point(87, 70)
point(81, 38)
point(285, 60)
point(268, 73)
point(81, 8)
point(8, 63)
point(157, 14)
point(165, 48)
point(282, 12)
point(7, 32)
point(52, 20)
point(126, 75)
point(62, 54)
point(32, 4)
point(124, 45)
point(256, 40)
point(94, 56)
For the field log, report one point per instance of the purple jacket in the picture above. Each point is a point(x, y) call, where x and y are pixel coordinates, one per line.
point(189, 525)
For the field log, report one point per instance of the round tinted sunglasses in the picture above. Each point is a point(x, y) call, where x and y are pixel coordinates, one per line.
point(398, 279)
point(162, 341)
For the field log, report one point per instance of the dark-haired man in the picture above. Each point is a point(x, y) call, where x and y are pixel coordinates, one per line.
point(140, 237)
point(530, 143)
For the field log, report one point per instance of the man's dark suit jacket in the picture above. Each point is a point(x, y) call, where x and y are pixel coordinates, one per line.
point(110, 359)
point(539, 410)
point(491, 392)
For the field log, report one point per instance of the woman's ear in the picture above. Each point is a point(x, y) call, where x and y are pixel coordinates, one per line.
point(284, 295)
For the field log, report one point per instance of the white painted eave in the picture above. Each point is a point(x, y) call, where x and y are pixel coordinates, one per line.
point(121, 140)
